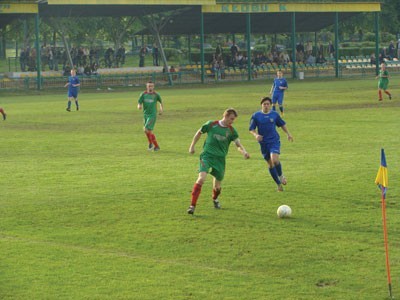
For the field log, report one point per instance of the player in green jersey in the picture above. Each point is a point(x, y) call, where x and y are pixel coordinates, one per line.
point(219, 136)
point(148, 102)
point(383, 82)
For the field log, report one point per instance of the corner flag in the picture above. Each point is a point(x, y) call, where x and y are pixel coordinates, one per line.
point(382, 181)
point(382, 177)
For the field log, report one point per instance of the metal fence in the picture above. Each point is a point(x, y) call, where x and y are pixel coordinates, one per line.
point(193, 76)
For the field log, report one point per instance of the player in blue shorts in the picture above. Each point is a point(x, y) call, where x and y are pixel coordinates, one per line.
point(73, 86)
point(265, 121)
point(278, 90)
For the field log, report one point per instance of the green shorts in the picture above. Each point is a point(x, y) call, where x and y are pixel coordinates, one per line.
point(150, 122)
point(383, 85)
point(214, 163)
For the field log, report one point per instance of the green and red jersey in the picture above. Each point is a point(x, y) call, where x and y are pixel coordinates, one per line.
point(149, 102)
point(218, 138)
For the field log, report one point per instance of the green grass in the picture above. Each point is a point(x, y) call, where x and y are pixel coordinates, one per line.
point(88, 213)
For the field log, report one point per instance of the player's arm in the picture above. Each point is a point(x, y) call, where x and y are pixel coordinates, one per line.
point(241, 149)
point(258, 137)
point(289, 136)
point(139, 105)
point(161, 108)
point(67, 84)
point(196, 138)
point(272, 88)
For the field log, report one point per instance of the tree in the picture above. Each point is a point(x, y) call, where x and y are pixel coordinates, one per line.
point(155, 23)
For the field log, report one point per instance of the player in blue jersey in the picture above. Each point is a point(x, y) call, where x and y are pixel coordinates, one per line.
point(278, 90)
point(265, 121)
point(73, 85)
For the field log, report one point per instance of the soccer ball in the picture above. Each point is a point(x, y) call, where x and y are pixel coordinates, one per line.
point(284, 211)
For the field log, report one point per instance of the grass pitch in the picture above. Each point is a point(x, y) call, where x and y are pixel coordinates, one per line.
point(88, 213)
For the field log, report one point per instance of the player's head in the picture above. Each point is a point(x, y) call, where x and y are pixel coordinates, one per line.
point(73, 72)
point(279, 74)
point(229, 116)
point(383, 66)
point(266, 103)
point(150, 86)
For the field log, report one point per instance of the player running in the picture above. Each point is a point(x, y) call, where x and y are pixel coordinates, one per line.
point(383, 82)
point(148, 102)
point(265, 121)
point(219, 136)
point(73, 85)
point(277, 91)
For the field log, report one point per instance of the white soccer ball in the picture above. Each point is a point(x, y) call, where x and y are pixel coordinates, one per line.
point(284, 211)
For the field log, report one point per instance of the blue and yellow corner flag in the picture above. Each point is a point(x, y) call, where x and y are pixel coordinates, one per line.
point(382, 177)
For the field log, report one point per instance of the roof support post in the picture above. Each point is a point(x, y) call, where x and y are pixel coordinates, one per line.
point(189, 49)
point(248, 33)
point(38, 62)
point(202, 46)
point(336, 44)
point(376, 43)
point(293, 45)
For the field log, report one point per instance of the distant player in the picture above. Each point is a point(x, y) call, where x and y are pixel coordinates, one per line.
point(277, 91)
point(148, 102)
point(265, 121)
point(383, 82)
point(73, 85)
point(3, 113)
point(219, 136)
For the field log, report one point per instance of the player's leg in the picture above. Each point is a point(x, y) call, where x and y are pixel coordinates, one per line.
point(69, 103)
point(274, 101)
point(148, 130)
point(266, 153)
point(278, 166)
point(76, 101)
point(216, 192)
point(380, 86)
point(280, 103)
point(387, 92)
point(3, 113)
point(196, 190)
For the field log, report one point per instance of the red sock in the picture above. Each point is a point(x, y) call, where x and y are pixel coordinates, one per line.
point(148, 136)
point(380, 94)
point(387, 93)
point(153, 140)
point(2, 111)
point(195, 193)
point(215, 193)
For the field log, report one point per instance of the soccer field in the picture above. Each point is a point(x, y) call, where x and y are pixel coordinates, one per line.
point(86, 212)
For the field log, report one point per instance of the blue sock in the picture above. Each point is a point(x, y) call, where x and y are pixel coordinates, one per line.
point(281, 108)
point(278, 168)
point(77, 104)
point(69, 104)
point(274, 175)
point(273, 107)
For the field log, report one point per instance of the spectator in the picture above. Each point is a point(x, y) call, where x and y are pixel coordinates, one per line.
point(142, 55)
point(155, 54)
point(391, 50)
point(108, 56)
point(331, 50)
point(320, 59)
point(398, 49)
point(22, 60)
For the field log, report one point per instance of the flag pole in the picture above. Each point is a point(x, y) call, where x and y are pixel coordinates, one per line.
point(382, 181)
point(385, 238)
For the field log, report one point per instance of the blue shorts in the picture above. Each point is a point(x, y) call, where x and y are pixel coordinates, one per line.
point(277, 97)
point(268, 148)
point(73, 94)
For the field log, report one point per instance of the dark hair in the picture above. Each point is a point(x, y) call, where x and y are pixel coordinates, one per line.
point(266, 99)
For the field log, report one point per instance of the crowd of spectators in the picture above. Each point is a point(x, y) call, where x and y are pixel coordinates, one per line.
point(86, 61)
